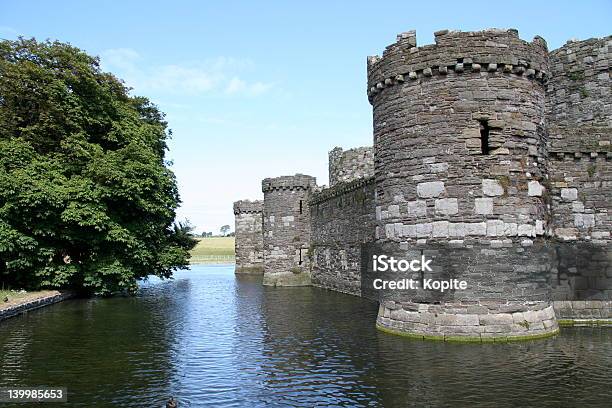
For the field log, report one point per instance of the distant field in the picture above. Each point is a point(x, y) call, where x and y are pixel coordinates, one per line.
point(214, 250)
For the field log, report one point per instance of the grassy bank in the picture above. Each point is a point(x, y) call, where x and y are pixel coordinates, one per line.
point(213, 250)
point(17, 298)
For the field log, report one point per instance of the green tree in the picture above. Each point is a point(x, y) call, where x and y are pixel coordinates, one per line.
point(224, 229)
point(87, 199)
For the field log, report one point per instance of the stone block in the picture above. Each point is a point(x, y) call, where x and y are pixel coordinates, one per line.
point(483, 206)
point(496, 319)
point(569, 194)
point(476, 228)
point(440, 229)
point(394, 210)
point(497, 243)
point(390, 230)
point(526, 230)
point(600, 234)
point(495, 228)
point(539, 227)
point(577, 207)
point(584, 220)
point(447, 206)
point(457, 229)
point(567, 234)
point(424, 230)
point(510, 229)
point(408, 231)
point(417, 208)
point(471, 134)
point(430, 189)
point(492, 188)
point(438, 167)
point(535, 189)
point(531, 316)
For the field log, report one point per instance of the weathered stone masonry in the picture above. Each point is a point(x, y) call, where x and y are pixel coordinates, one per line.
point(249, 236)
point(579, 113)
point(286, 223)
point(349, 165)
point(491, 156)
point(342, 221)
point(479, 212)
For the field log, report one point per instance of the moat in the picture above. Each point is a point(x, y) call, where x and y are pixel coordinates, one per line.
point(212, 339)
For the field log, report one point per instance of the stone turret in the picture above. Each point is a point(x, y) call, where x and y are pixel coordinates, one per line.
point(460, 156)
point(349, 165)
point(249, 236)
point(286, 230)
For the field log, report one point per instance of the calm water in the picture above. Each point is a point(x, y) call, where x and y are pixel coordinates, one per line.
point(211, 339)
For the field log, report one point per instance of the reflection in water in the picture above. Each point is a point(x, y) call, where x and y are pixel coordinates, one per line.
point(212, 339)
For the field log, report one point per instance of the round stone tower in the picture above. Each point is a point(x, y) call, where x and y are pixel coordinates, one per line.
point(460, 156)
point(286, 230)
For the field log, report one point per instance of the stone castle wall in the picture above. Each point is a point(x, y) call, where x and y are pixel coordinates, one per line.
point(492, 157)
point(349, 165)
point(342, 221)
point(249, 236)
point(579, 118)
point(286, 226)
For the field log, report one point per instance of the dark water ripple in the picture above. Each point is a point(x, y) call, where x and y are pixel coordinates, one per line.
point(213, 340)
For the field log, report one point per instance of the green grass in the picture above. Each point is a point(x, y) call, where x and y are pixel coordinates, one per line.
point(10, 295)
point(16, 298)
point(213, 250)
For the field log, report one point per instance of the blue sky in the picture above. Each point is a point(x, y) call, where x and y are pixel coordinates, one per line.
point(260, 89)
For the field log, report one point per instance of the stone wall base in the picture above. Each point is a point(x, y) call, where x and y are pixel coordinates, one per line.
point(35, 304)
point(347, 290)
point(428, 322)
point(287, 279)
point(249, 270)
point(583, 312)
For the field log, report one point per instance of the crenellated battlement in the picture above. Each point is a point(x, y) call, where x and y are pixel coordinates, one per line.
point(296, 182)
point(248, 207)
point(339, 189)
point(488, 52)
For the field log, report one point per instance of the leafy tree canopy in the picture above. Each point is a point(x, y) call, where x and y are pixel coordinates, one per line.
point(86, 198)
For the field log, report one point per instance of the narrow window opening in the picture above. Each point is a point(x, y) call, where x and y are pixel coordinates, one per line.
point(484, 137)
point(301, 206)
point(300, 263)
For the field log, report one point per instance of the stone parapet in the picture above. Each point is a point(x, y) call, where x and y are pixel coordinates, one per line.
point(296, 182)
point(488, 52)
point(248, 206)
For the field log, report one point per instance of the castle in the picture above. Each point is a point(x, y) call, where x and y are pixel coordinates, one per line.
point(491, 156)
